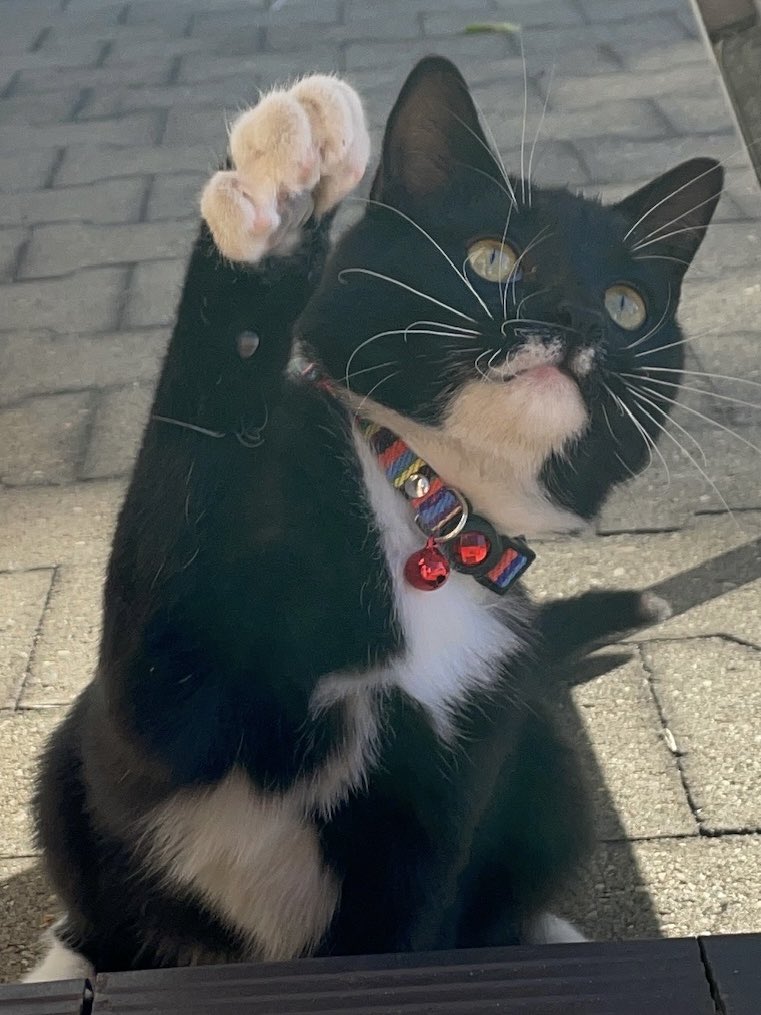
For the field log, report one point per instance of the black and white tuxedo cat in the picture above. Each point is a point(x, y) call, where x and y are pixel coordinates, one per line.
point(301, 739)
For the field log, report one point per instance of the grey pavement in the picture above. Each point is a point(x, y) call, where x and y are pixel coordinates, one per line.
point(111, 114)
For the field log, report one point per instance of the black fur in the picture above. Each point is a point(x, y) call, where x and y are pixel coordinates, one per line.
point(246, 566)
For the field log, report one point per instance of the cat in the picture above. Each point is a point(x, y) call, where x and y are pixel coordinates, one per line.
point(318, 722)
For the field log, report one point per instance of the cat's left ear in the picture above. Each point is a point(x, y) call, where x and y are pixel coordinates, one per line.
point(670, 215)
point(433, 137)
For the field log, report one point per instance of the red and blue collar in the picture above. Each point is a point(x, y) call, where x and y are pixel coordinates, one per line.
point(457, 538)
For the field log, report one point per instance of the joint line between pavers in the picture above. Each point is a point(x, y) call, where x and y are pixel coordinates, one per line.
point(664, 724)
point(698, 834)
point(721, 635)
point(35, 641)
point(96, 398)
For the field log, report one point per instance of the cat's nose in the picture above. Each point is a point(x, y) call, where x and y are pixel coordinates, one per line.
point(579, 321)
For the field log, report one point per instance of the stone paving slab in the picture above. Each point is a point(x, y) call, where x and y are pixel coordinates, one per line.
point(23, 597)
point(40, 362)
point(49, 526)
point(89, 303)
point(66, 247)
point(47, 451)
point(120, 418)
point(106, 201)
point(153, 293)
point(22, 736)
point(710, 692)
point(28, 908)
point(676, 887)
point(632, 762)
point(66, 643)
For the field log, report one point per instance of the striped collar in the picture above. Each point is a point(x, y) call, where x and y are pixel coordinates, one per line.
point(456, 536)
point(470, 543)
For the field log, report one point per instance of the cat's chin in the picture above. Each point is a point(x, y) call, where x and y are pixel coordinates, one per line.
point(533, 414)
point(493, 443)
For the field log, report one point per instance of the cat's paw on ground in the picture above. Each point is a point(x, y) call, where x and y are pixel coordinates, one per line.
point(297, 151)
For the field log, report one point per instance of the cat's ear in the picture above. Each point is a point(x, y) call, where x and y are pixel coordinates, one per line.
point(670, 215)
point(433, 136)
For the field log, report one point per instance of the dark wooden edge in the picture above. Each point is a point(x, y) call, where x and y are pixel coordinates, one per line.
point(672, 976)
point(660, 977)
point(733, 966)
point(59, 997)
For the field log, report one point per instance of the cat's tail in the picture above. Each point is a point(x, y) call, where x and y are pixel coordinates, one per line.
point(572, 626)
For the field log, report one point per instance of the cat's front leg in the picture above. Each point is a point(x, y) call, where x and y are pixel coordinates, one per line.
point(298, 151)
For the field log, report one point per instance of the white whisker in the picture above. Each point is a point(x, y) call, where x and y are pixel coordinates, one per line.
point(707, 419)
point(540, 236)
point(645, 435)
point(367, 370)
point(663, 348)
point(662, 257)
point(530, 296)
point(700, 373)
point(649, 443)
point(460, 274)
point(403, 285)
point(455, 331)
point(666, 236)
point(494, 150)
point(668, 197)
point(375, 388)
point(495, 156)
point(492, 179)
point(679, 218)
point(698, 391)
point(684, 451)
point(503, 285)
point(525, 117)
point(538, 132)
point(639, 389)
point(477, 361)
point(658, 326)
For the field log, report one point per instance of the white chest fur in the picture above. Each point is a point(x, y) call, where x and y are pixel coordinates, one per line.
point(454, 637)
point(254, 857)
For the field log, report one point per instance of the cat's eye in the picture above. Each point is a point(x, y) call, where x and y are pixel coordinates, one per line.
point(625, 306)
point(492, 259)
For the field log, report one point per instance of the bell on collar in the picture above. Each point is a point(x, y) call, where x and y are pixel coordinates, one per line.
point(427, 569)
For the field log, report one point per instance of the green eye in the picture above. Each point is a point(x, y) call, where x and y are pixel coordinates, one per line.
point(625, 306)
point(492, 260)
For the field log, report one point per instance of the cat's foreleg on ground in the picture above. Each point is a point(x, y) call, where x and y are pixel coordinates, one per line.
point(298, 152)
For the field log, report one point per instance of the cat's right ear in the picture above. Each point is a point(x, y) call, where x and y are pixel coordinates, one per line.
point(433, 137)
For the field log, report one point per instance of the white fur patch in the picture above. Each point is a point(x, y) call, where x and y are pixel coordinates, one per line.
point(548, 929)
point(253, 857)
point(455, 638)
point(485, 450)
point(60, 963)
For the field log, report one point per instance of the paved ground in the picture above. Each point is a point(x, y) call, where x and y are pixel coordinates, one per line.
point(110, 116)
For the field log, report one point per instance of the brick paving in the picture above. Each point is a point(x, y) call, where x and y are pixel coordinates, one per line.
point(111, 114)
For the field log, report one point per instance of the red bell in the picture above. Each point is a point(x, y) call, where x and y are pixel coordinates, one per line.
point(471, 548)
point(427, 569)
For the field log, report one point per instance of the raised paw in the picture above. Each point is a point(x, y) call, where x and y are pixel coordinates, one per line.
point(298, 151)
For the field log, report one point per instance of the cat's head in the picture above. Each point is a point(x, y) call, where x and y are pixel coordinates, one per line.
point(503, 329)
